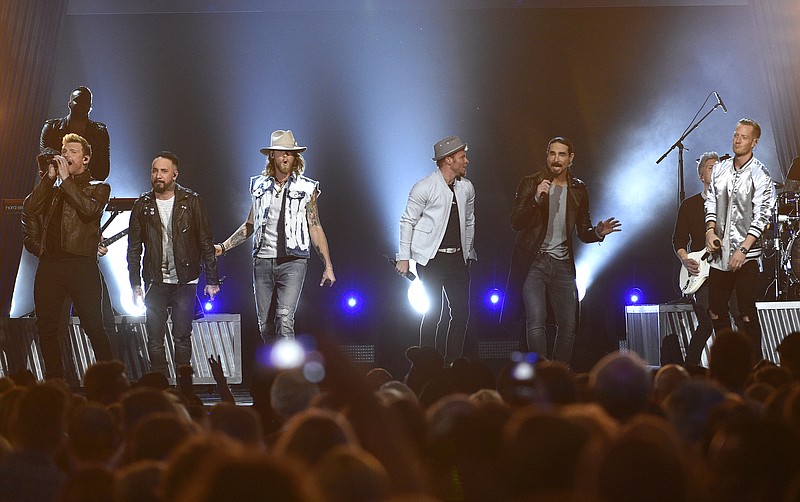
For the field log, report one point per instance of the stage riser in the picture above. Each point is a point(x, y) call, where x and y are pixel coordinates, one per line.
point(647, 325)
point(217, 335)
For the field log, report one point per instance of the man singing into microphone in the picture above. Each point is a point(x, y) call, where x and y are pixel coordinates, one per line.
point(738, 207)
point(550, 205)
point(69, 218)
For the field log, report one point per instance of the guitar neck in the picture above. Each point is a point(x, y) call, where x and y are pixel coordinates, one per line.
point(114, 238)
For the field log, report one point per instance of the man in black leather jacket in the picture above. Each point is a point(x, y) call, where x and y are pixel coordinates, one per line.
point(77, 121)
point(170, 221)
point(68, 221)
point(550, 205)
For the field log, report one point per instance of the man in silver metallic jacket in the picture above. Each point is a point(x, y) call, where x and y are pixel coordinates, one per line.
point(738, 209)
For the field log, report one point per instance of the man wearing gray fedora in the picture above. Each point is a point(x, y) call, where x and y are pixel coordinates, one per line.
point(285, 221)
point(437, 230)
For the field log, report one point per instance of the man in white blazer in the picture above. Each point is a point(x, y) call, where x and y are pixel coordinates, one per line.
point(437, 230)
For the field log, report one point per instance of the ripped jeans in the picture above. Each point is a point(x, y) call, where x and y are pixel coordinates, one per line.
point(284, 278)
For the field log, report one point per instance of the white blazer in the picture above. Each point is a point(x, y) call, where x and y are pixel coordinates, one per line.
point(424, 220)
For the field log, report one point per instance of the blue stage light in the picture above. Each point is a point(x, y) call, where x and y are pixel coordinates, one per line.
point(352, 302)
point(493, 298)
point(635, 296)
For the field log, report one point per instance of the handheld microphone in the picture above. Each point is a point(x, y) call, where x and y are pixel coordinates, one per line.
point(47, 158)
point(725, 157)
point(549, 177)
point(409, 275)
point(708, 253)
point(720, 103)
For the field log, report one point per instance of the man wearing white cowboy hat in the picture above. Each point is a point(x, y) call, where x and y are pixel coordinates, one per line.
point(285, 221)
point(436, 231)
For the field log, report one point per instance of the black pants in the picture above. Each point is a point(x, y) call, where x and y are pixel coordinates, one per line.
point(181, 300)
point(705, 326)
point(450, 273)
point(79, 278)
point(109, 322)
point(720, 287)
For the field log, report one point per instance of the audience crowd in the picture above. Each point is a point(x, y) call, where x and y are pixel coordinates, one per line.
point(535, 431)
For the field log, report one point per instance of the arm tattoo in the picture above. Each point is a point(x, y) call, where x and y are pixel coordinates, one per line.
point(239, 236)
point(313, 215)
point(321, 255)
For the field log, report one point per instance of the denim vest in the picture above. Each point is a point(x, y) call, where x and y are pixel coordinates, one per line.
point(299, 191)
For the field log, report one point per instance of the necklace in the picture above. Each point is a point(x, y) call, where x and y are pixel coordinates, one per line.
point(280, 185)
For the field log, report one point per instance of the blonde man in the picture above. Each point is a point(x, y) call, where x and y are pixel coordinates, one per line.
point(68, 214)
point(738, 208)
point(284, 220)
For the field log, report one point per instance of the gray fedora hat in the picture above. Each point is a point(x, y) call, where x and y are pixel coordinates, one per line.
point(282, 140)
point(447, 146)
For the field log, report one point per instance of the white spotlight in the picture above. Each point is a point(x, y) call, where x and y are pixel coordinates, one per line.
point(583, 277)
point(417, 298)
point(128, 305)
point(287, 354)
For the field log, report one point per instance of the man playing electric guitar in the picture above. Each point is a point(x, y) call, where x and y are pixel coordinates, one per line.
point(689, 233)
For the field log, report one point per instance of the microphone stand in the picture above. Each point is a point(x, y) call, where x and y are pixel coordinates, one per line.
point(679, 145)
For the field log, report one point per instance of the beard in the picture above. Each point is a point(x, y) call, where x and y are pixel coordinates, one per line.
point(284, 168)
point(162, 186)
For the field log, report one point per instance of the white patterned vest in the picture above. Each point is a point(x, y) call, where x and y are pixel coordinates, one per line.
point(299, 191)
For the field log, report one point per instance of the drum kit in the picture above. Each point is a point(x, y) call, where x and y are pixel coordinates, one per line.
point(785, 244)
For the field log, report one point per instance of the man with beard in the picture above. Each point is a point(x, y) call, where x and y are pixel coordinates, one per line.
point(437, 231)
point(285, 220)
point(65, 207)
point(171, 222)
point(738, 208)
point(549, 206)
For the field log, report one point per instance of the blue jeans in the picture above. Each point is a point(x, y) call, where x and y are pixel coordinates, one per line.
point(283, 277)
point(551, 279)
point(180, 299)
point(448, 273)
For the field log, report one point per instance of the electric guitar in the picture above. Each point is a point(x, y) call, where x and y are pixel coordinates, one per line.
point(114, 238)
point(690, 283)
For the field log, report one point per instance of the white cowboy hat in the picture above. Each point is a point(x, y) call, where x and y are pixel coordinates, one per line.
point(282, 140)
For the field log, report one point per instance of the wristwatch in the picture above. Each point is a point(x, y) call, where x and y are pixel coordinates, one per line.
point(744, 250)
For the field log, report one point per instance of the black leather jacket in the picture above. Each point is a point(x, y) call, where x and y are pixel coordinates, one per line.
point(96, 134)
point(191, 239)
point(32, 233)
point(84, 202)
point(529, 219)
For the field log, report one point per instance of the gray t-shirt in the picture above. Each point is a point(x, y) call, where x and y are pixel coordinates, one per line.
point(555, 241)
